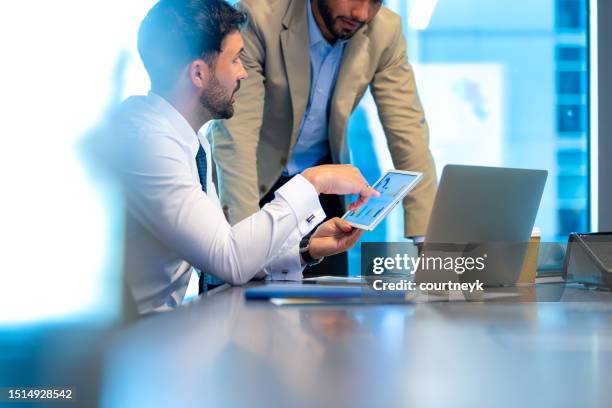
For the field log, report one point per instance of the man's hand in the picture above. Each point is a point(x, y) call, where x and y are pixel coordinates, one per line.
point(340, 179)
point(332, 237)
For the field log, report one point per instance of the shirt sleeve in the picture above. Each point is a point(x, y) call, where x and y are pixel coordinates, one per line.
point(167, 199)
point(300, 196)
point(297, 193)
point(287, 264)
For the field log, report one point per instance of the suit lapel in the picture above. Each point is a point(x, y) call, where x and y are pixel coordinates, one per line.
point(349, 77)
point(296, 55)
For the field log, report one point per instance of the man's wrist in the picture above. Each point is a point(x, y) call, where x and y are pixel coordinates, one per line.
point(305, 255)
point(311, 176)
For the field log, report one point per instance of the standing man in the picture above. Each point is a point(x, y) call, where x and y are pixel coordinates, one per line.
point(191, 51)
point(309, 63)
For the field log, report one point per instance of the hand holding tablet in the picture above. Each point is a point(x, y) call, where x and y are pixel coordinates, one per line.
point(393, 186)
point(340, 179)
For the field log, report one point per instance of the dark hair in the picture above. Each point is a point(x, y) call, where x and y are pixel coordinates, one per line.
point(176, 32)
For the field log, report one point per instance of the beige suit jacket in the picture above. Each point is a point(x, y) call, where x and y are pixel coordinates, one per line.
point(252, 149)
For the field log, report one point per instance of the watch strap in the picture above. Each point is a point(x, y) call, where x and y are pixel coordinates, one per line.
point(305, 252)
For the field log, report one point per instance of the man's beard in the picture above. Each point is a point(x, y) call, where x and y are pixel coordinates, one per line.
point(216, 100)
point(329, 21)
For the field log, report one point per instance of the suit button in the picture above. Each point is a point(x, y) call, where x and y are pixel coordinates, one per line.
point(263, 188)
point(283, 161)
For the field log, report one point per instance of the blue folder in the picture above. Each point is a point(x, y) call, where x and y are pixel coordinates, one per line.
point(299, 291)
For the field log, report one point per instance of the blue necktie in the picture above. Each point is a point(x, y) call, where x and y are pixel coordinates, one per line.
point(201, 163)
point(205, 281)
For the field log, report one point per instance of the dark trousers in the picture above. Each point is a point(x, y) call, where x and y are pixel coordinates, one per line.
point(336, 265)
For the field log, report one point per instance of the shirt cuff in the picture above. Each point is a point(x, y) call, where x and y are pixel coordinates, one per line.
point(304, 202)
point(287, 266)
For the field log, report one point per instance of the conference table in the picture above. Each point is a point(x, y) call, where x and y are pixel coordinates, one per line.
point(549, 346)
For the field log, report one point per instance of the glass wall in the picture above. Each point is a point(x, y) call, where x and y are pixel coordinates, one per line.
point(503, 83)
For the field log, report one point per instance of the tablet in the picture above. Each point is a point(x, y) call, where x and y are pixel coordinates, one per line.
point(393, 186)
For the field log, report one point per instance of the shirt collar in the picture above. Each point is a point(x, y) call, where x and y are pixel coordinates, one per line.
point(314, 33)
point(184, 130)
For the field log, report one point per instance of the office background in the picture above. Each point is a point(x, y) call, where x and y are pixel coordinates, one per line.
point(503, 83)
point(510, 77)
point(515, 77)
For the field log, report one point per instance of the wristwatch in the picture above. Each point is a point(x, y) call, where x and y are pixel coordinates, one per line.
point(305, 252)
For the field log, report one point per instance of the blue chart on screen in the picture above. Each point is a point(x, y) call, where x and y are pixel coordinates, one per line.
point(389, 187)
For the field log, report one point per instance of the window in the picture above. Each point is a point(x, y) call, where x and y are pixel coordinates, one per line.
point(571, 14)
point(513, 76)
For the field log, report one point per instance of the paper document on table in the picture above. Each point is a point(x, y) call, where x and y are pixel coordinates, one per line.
point(336, 280)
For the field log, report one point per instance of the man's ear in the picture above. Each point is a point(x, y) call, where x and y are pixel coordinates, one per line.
point(198, 73)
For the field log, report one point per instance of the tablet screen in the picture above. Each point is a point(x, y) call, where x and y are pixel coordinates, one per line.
point(390, 187)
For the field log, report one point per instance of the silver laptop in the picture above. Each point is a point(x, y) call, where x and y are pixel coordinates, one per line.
point(483, 211)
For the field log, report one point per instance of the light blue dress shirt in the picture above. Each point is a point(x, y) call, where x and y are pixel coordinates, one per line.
point(312, 144)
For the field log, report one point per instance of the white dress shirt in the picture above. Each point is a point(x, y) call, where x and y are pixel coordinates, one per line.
point(172, 225)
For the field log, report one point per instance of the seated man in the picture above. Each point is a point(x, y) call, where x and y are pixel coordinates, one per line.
point(174, 221)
